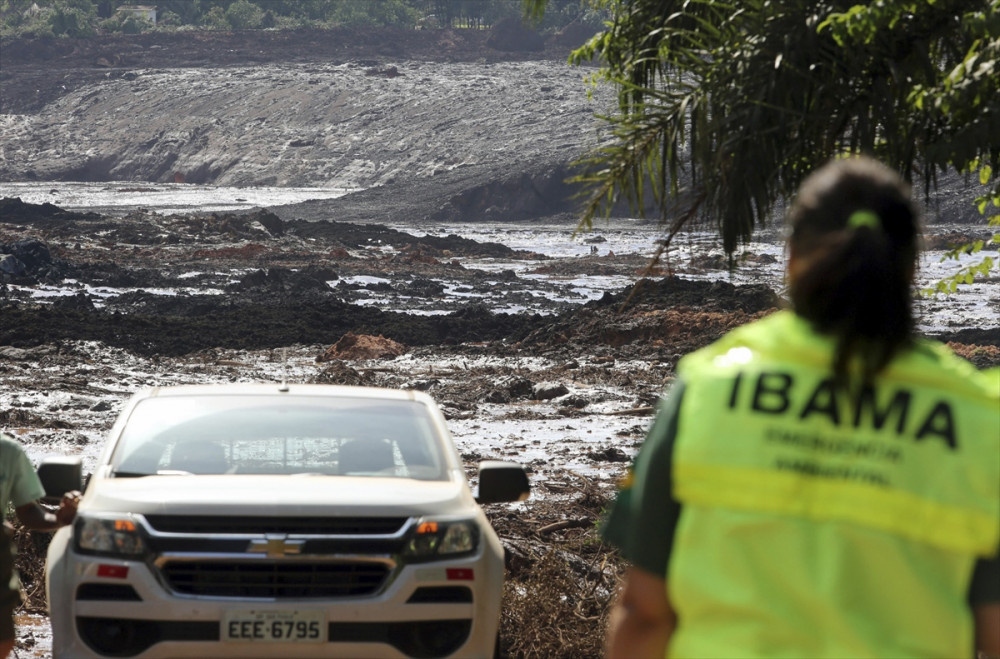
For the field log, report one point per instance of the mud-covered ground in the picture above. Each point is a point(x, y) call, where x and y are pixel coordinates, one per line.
point(218, 297)
point(568, 390)
point(463, 125)
point(94, 306)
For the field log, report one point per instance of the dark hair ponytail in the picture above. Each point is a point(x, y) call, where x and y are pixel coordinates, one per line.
point(854, 235)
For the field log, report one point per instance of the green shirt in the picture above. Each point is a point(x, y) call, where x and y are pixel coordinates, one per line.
point(19, 483)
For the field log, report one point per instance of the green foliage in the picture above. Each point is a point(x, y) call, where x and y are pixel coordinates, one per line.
point(168, 19)
point(134, 25)
point(35, 18)
point(215, 19)
point(244, 15)
point(59, 18)
point(18, 18)
point(983, 268)
point(951, 73)
point(966, 274)
point(130, 23)
point(560, 13)
point(724, 108)
point(373, 12)
point(475, 14)
point(73, 19)
point(187, 12)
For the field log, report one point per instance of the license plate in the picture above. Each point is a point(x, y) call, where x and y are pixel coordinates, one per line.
point(269, 626)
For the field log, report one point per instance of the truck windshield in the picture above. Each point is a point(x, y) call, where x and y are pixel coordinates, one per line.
point(314, 435)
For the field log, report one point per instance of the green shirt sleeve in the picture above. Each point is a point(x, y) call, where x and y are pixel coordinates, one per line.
point(19, 483)
point(642, 520)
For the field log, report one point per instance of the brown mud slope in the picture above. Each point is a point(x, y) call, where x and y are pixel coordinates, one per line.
point(427, 125)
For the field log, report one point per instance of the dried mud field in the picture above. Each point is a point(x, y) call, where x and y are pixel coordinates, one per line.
point(106, 305)
point(552, 357)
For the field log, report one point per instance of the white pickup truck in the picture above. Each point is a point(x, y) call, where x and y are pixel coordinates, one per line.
point(256, 520)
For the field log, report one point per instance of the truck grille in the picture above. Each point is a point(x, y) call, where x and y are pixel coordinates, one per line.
point(275, 579)
point(198, 524)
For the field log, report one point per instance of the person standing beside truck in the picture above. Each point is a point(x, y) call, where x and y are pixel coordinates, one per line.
point(821, 482)
point(10, 592)
point(21, 490)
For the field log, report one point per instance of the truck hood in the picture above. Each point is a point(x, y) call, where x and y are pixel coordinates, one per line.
point(285, 496)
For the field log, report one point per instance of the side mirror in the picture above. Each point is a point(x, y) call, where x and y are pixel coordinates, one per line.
point(60, 475)
point(501, 482)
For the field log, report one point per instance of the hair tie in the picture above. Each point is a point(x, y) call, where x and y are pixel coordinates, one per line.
point(864, 218)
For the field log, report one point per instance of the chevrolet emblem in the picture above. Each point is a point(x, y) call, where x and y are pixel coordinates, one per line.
point(276, 546)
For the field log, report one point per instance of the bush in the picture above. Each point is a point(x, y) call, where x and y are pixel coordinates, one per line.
point(135, 25)
point(72, 21)
point(168, 19)
point(215, 19)
point(28, 22)
point(244, 15)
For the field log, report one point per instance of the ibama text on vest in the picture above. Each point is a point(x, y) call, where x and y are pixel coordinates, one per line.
point(807, 399)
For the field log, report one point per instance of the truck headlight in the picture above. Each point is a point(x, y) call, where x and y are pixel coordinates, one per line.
point(432, 539)
point(113, 536)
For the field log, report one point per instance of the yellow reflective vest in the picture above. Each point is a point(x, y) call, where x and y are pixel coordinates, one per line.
point(818, 522)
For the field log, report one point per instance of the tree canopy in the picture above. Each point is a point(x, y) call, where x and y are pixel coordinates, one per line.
point(741, 100)
point(82, 18)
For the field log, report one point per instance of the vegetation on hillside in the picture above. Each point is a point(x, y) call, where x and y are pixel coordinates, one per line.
point(83, 18)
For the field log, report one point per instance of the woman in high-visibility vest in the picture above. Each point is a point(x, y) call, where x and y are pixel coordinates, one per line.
point(822, 482)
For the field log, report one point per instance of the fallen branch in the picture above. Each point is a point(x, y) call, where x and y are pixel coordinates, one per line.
point(564, 524)
point(635, 411)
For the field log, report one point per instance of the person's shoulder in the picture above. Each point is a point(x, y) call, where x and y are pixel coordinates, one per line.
point(7, 440)
point(946, 361)
point(756, 334)
point(10, 448)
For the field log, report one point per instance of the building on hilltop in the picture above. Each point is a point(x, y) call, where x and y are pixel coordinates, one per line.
point(147, 12)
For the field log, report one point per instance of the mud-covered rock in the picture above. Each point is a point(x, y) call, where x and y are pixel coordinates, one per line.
point(284, 281)
point(408, 117)
point(673, 292)
point(11, 266)
point(609, 454)
point(339, 372)
point(28, 261)
point(79, 301)
point(575, 401)
point(548, 390)
point(353, 346)
point(15, 211)
point(508, 388)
